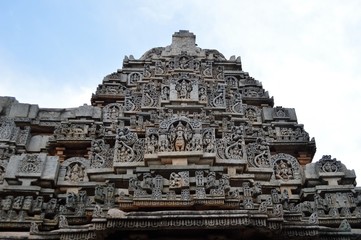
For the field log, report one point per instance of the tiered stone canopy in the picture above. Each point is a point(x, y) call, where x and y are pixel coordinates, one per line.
point(181, 138)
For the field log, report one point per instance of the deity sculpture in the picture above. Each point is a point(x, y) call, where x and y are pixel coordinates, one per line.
point(75, 173)
point(183, 89)
point(283, 170)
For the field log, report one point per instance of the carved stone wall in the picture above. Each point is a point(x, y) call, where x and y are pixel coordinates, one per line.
point(181, 138)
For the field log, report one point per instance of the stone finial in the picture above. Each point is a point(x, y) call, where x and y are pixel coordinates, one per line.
point(182, 41)
point(184, 38)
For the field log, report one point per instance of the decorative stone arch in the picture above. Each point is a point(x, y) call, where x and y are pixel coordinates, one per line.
point(285, 167)
point(73, 171)
point(113, 111)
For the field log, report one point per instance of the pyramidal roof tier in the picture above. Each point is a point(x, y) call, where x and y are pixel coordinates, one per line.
point(180, 139)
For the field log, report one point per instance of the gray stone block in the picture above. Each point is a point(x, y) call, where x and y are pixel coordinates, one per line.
point(19, 110)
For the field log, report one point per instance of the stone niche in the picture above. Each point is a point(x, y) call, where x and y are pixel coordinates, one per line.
point(180, 141)
point(31, 171)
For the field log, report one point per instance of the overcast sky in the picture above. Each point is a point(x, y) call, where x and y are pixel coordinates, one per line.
point(307, 53)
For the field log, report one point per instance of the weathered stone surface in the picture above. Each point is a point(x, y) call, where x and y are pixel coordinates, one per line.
point(180, 139)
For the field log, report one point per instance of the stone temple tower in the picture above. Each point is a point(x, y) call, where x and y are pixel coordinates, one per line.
point(178, 144)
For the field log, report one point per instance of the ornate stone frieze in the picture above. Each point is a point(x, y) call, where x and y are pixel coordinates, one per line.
point(75, 131)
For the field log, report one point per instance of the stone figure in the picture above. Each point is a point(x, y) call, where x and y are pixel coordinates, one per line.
point(165, 93)
point(34, 227)
point(75, 173)
point(180, 136)
point(283, 170)
point(183, 89)
point(63, 222)
point(175, 180)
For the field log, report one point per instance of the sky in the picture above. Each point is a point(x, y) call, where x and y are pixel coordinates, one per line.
point(306, 53)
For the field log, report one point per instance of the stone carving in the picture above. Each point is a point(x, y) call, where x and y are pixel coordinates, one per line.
point(2, 175)
point(34, 228)
point(147, 72)
point(184, 62)
point(112, 112)
point(134, 78)
point(252, 113)
point(31, 164)
point(280, 113)
point(98, 211)
point(7, 128)
point(232, 144)
point(165, 93)
point(328, 164)
point(159, 68)
point(132, 102)
point(75, 131)
point(217, 155)
point(235, 103)
point(180, 136)
point(290, 134)
point(285, 167)
point(231, 81)
point(150, 95)
point(10, 133)
point(207, 69)
point(101, 155)
point(258, 153)
point(105, 194)
point(345, 226)
point(254, 92)
point(313, 219)
point(219, 72)
point(111, 89)
point(179, 180)
point(75, 172)
point(63, 222)
point(153, 53)
point(128, 148)
point(283, 170)
point(183, 86)
point(202, 94)
point(217, 97)
point(5, 154)
point(209, 140)
point(184, 89)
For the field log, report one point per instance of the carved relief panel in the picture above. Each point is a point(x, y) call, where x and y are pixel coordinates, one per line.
point(232, 145)
point(286, 167)
point(128, 148)
point(184, 86)
point(73, 171)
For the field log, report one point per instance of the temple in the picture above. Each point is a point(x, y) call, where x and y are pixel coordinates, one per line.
point(178, 144)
